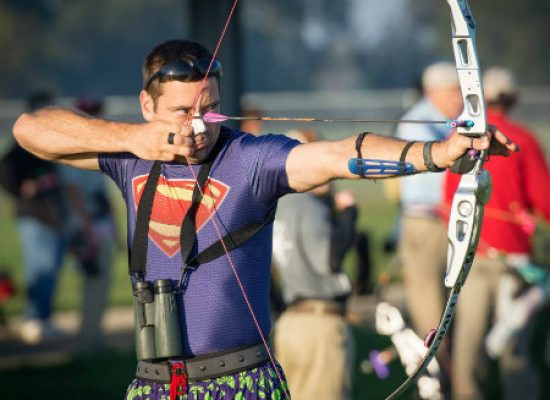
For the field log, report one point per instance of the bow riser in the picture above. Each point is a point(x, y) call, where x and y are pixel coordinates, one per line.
point(471, 196)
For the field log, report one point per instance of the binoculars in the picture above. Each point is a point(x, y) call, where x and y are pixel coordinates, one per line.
point(157, 325)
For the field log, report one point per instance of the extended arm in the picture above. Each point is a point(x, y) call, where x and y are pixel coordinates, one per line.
point(313, 164)
point(69, 137)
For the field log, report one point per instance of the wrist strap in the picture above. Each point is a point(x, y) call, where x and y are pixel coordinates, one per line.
point(358, 144)
point(406, 150)
point(427, 155)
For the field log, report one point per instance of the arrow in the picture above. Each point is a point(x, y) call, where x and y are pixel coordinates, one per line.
point(211, 117)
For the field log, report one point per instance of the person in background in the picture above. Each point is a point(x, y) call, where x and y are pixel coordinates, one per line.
point(92, 235)
point(521, 188)
point(40, 208)
point(255, 127)
point(422, 246)
point(312, 233)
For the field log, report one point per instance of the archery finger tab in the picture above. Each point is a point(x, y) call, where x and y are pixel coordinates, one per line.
point(198, 126)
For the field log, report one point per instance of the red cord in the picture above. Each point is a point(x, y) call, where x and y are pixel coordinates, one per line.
point(215, 213)
point(178, 383)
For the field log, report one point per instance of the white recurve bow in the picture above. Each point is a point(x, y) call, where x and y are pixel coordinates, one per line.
point(474, 190)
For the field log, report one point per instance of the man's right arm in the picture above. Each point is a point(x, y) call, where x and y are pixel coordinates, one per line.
point(68, 137)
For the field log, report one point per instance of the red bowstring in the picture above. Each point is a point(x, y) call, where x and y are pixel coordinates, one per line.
point(215, 54)
point(215, 213)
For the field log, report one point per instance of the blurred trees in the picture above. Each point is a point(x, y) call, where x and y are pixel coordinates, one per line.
point(81, 47)
point(511, 33)
point(96, 47)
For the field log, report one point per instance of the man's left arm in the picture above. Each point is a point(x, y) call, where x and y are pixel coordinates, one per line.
point(313, 164)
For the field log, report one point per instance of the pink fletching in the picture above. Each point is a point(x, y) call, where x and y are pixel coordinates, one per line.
point(213, 117)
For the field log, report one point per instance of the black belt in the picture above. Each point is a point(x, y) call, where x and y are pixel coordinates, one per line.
point(208, 366)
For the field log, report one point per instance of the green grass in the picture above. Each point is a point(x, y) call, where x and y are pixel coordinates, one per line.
point(103, 375)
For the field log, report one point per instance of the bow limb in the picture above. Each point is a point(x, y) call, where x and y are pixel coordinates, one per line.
point(474, 189)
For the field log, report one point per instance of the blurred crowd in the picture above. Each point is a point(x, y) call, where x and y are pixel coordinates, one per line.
point(60, 212)
point(63, 212)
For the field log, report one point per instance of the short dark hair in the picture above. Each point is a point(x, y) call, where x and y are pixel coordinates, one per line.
point(167, 53)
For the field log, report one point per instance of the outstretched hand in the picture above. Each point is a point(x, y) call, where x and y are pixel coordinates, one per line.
point(457, 145)
point(500, 145)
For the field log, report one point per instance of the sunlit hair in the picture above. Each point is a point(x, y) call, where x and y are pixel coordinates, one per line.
point(167, 53)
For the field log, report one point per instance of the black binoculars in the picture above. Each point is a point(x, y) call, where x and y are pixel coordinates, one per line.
point(157, 325)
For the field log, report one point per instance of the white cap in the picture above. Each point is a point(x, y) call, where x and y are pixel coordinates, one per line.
point(498, 81)
point(441, 74)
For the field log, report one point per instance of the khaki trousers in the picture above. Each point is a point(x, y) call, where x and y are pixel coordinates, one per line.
point(475, 307)
point(316, 352)
point(423, 254)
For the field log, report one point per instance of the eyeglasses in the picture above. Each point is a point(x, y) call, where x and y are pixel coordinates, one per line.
point(185, 71)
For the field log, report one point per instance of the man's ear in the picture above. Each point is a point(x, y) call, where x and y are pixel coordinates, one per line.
point(147, 105)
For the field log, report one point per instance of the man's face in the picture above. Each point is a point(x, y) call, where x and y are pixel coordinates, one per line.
point(448, 99)
point(176, 105)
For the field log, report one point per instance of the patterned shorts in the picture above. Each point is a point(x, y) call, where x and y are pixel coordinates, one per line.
point(255, 383)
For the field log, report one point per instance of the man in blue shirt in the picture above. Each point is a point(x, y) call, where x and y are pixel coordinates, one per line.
point(222, 304)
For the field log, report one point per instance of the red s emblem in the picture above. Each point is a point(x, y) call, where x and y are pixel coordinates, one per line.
point(172, 200)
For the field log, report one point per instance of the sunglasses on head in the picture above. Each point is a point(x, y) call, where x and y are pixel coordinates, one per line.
point(182, 70)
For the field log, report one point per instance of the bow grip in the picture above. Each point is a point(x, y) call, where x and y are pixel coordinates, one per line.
point(472, 194)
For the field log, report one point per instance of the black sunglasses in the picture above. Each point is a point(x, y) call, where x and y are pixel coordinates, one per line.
point(185, 71)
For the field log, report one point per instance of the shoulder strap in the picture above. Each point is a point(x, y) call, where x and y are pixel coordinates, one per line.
point(232, 240)
point(138, 252)
point(188, 231)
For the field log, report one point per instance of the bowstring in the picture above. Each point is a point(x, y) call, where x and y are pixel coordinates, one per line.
point(215, 212)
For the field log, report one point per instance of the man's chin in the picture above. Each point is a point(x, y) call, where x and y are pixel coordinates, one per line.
point(199, 156)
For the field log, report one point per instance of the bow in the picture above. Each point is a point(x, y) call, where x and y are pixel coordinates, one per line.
point(474, 189)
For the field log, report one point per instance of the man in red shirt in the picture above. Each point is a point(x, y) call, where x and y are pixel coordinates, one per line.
point(521, 191)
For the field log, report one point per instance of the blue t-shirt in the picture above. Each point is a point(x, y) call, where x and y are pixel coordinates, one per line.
point(246, 178)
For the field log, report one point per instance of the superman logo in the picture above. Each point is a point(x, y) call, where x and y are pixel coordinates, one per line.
point(172, 201)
